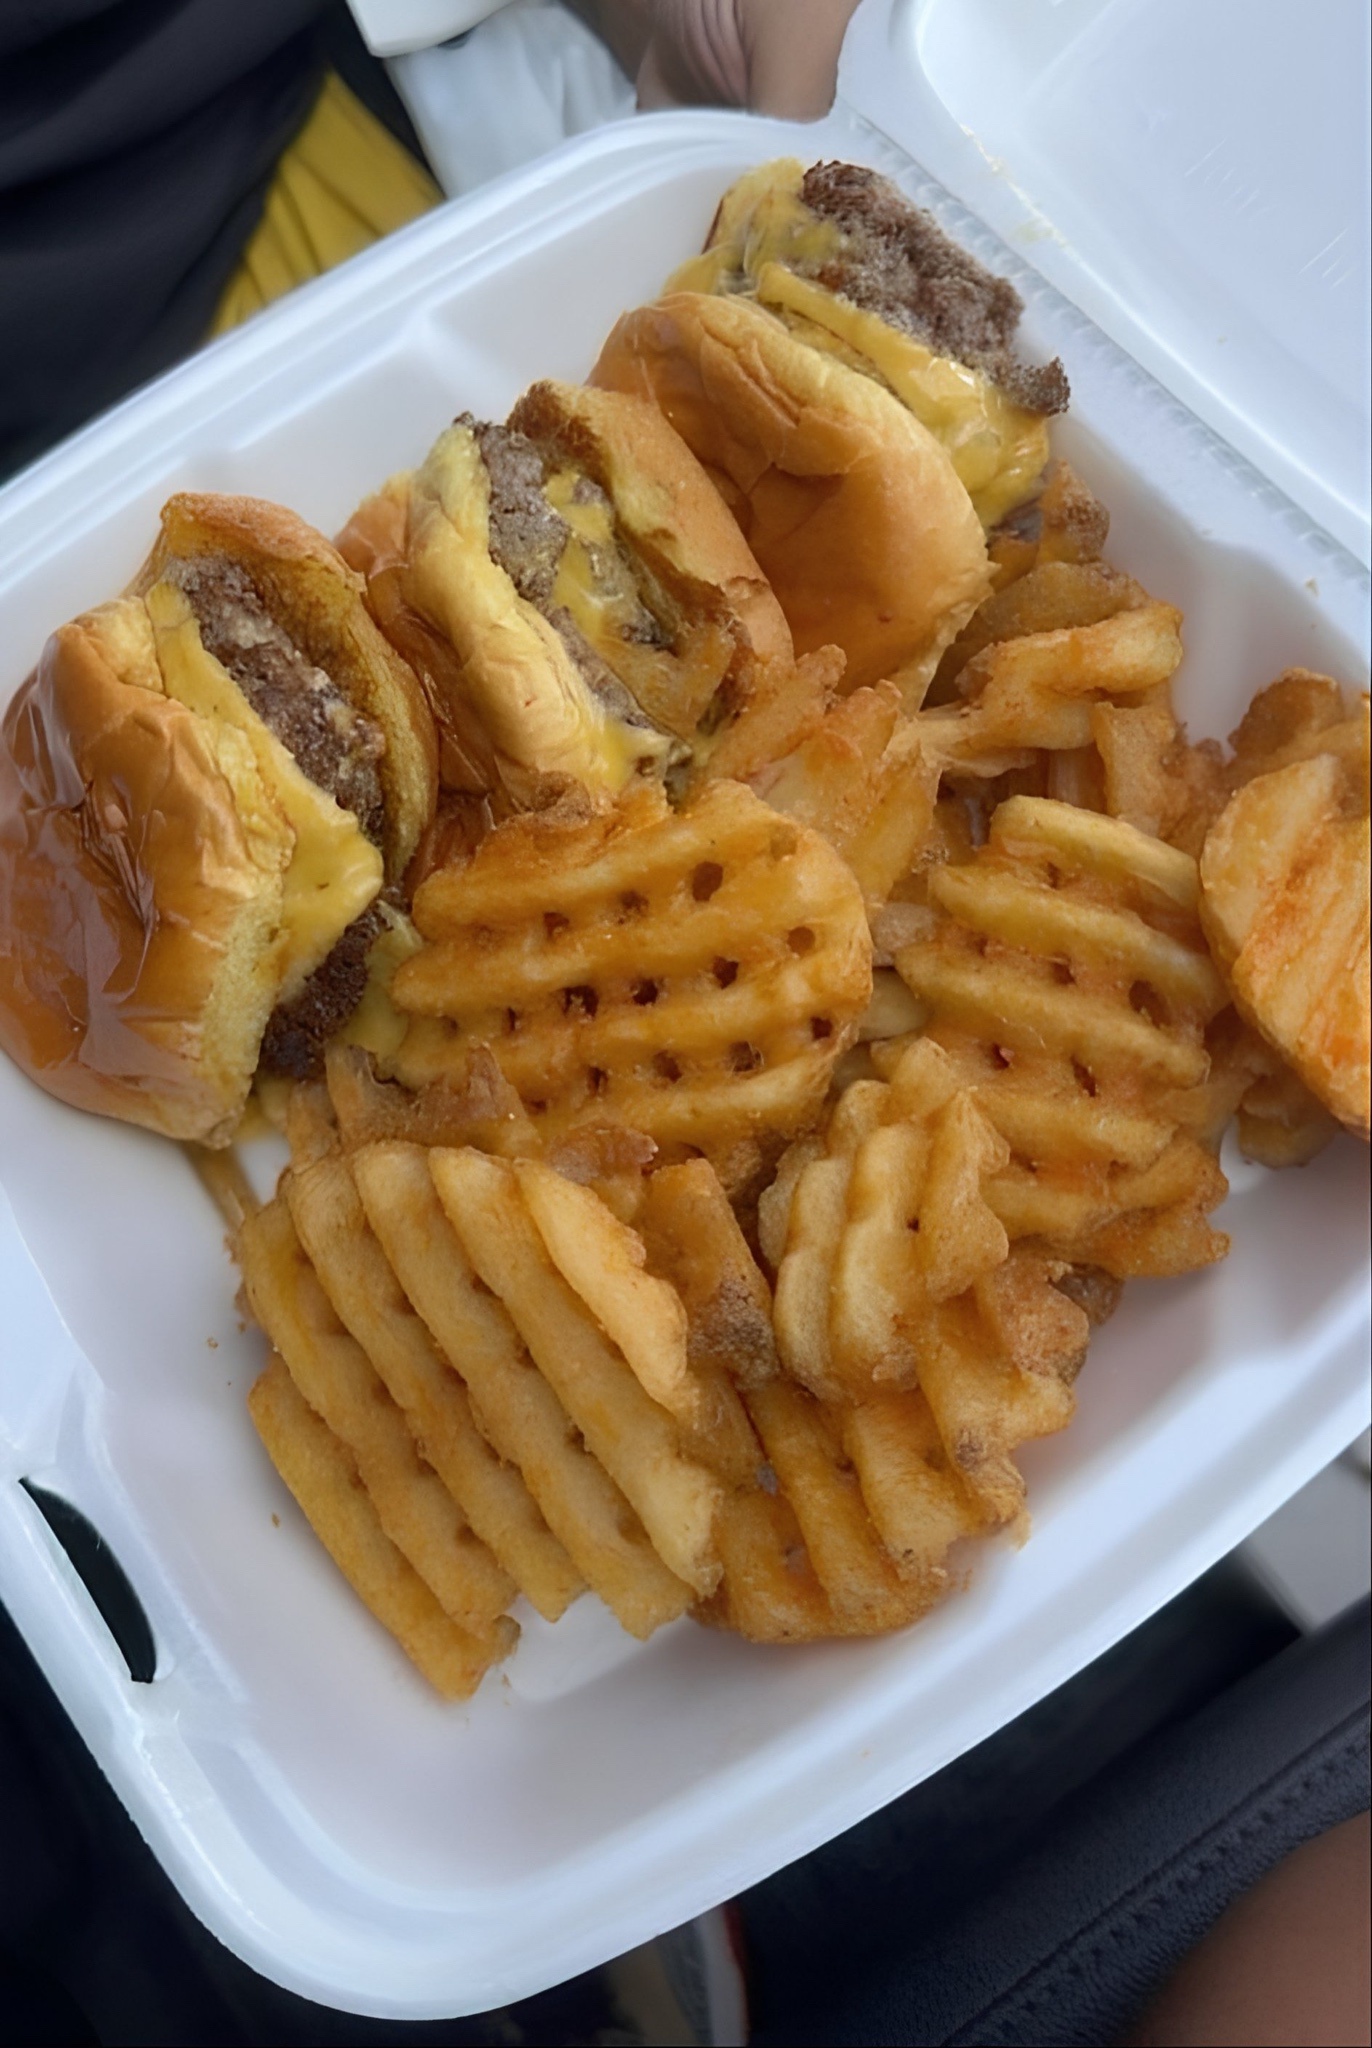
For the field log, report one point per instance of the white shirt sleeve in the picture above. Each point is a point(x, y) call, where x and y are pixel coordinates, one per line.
point(391, 27)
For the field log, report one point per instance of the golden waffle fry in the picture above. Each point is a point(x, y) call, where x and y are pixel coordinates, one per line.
point(691, 975)
point(355, 1274)
point(324, 1478)
point(602, 1261)
point(1039, 691)
point(1064, 969)
point(1151, 774)
point(917, 1499)
point(635, 1440)
point(770, 1591)
point(887, 1223)
point(515, 1406)
point(475, 1106)
point(1286, 903)
point(1299, 716)
point(803, 1446)
point(693, 1239)
point(334, 1375)
point(862, 780)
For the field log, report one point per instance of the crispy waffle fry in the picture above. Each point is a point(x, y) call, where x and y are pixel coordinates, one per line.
point(323, 1476)
point(516, 1407)
point(475, 1106)
point(1285, 881)
point(1063, 969)
point(1294, 719)
point(770, 1591)
point(1039, 691)
point(862, 780)
point(692, 975)
point(917, 1499)
point(693, 1238)
point(334, 1376)
point(365, 1294)
point(806, 1452)
point(602, 1260)
point(633, 1438)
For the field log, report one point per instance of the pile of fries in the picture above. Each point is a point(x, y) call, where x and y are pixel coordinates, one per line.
point(752, 1171)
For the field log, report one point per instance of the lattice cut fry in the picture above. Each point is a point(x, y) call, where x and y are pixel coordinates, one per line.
point(323, 1476)
point(1063, 968)
point(692, 975)
point(335, 1376)
point(363, 1290)
point(1286, 905)
point(887, 1221)
point(517, 1409)
point(635, 1440)
point(863, 781)
point(806, 1452)
point(914, 1494)
point(602, 1260)
point(1038, 691)
point(693, 1238)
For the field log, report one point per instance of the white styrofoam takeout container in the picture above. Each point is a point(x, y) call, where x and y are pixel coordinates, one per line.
point(327, 1816)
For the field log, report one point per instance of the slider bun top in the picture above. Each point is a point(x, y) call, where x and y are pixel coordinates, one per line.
point(668, 509)
point(168, 873)
point(515, 705)
point(141, 884)
point(311, 591)
point(852, 509)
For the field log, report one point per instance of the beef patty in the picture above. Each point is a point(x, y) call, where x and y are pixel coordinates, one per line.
point(527, 537)
point(297, 1032)
point(332, 742)
point(897, 262)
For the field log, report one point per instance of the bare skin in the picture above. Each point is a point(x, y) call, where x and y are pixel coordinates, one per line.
point(1287, 1964)
point(774, 56)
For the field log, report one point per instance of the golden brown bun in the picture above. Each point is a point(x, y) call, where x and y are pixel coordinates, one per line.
point(137, 909)
point(851, 507)
point(514, 706)
point(667, 506)
point(311, 591)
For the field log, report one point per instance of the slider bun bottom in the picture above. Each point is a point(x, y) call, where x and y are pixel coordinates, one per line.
point(851, 507)
point(139, 909)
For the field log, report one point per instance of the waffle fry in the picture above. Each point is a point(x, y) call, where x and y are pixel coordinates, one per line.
point(1063, 969)
point(334, 1375)
point(918, 1501)
point(693, 975)
point(365, 1294)
point(602, 1260)
point(634, 1439)
point(1285, 881)
point(865, 1591)
point(324, 1478)
point(861, 779)
point(517, 1409)
point(693, 1239)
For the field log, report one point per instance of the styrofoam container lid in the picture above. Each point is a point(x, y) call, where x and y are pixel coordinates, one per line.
point(1192, 173)
point(327, 1816)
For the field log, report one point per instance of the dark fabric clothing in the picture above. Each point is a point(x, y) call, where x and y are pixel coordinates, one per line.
point(137, 142)
point(1069, 1940)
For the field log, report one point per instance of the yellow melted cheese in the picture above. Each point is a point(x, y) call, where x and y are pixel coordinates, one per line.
point(376, 1024)
point(334, 871)
point(764, 230)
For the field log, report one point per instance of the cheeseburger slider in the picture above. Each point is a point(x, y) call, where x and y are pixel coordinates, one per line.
point(579, 601)
point(851, 266)
point(209, 790)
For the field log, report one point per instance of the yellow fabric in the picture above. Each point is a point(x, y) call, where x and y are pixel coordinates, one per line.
point(344, 183)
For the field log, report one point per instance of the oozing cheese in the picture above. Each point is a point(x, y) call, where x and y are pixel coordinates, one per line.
point(765, 229)
point(376, 1024)
point(334, 870)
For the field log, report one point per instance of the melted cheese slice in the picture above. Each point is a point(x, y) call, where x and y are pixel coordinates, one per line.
point(333, 871)
point(537, 707)
point(376, 1024)
point(764, 230)
point(673, 685)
